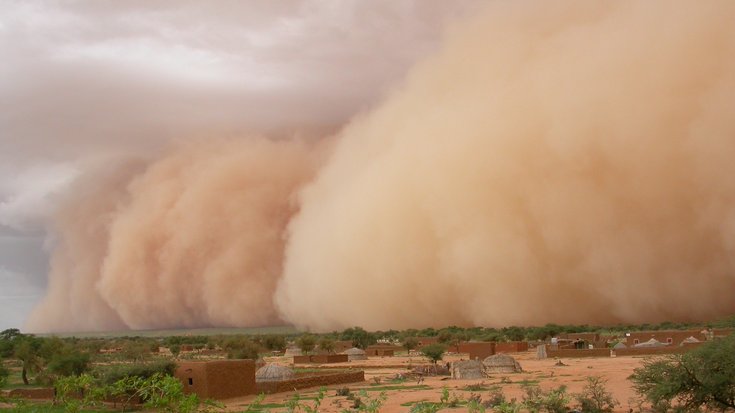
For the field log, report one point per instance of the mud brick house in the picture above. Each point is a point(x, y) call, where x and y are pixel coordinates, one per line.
point(219, 379)
point(511, 347)
point(477, 350)
point(382, 350)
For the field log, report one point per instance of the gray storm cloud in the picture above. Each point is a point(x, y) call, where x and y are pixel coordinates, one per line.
point(562, 162)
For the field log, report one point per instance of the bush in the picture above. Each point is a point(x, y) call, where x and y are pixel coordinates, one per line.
point(553, 401)
point(595, 398)
point(4, 373)
point(703, 377)
point(112, 373)
point(70, 364)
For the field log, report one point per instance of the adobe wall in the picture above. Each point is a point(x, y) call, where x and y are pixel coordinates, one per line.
point(321, 358)
point(574, 353)
point(511, 347)
point(477, 351)
point(648, 351)
point(219, 379)
point(342, 345)
point(381, 350)
point(676, 336)
point(310, 381)
point(589, 337)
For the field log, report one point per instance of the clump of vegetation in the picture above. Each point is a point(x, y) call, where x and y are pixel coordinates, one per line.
point(344, 391)
point(434, 352)
point(366, 404)
point(595, 398)
point(701, 378)
point(553, 401)
point(109, 374)
point(475, 387)
point(496, 397)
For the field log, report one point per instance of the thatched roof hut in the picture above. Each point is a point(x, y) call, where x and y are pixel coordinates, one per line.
point(467, 369)
point(619, 346)
point(355, 353)
point(273, 372)
point(501, 363)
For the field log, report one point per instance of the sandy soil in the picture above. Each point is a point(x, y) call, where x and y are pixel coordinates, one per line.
point(542, 372)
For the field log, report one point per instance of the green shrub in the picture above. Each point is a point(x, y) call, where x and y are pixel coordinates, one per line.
point(595, 398)
point(69, 364)
point(112, 373)
point(701, 378)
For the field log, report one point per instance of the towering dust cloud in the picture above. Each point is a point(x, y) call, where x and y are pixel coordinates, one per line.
point(565, 162)
point(196, 239)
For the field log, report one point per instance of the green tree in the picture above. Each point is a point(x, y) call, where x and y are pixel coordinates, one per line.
point(274, 342)
point(326, 344)
point(410, 343)
point(703, 377)
point(359, 337)
point(306, 343)
point(27, 351)
point(434, 352)
point(72, 363)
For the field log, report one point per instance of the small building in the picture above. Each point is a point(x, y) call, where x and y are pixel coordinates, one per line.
point(477, 350)
point(217, 379)
point(381, 350)
point(467, 369)
point(273, 372)
point(501, 363)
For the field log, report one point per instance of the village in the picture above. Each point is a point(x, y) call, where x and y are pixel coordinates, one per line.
point(395, 375)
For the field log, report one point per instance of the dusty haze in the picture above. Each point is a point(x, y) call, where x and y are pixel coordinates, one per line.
point(565, 162)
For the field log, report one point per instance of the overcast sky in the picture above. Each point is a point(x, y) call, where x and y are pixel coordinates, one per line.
point(85, 80)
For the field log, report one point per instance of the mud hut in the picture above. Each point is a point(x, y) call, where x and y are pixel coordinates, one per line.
point(467, 369)
point(355, 353)
point(273, 372)
point(501, 363)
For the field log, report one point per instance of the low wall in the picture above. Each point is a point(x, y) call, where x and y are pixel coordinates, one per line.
point(45, 393)
point(511, 347)
point(310, 381)
point(321, 358)
point(652, 351)
point(574, 353)
point(477, 351)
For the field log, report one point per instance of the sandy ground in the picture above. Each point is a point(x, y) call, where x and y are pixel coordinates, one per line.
point(542, 372)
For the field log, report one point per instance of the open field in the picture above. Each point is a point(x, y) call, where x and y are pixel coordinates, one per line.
point(403, 394)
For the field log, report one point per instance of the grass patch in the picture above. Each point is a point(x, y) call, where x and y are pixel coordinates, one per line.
point(528, 382)
point(45, 408)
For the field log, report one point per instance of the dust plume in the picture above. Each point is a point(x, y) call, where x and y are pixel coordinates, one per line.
point(195, 239)
point(563, 162)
